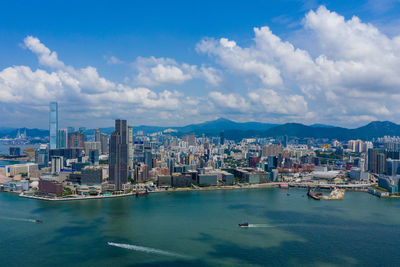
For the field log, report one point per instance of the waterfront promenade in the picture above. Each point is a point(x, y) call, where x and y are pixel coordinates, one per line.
point(350, 187)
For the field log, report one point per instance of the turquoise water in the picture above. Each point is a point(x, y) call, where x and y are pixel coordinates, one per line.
point(10, 162)
point(200, 229)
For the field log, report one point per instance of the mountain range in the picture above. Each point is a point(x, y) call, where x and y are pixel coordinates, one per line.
point(238, 130)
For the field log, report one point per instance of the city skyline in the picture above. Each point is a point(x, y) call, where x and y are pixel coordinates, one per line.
point(281, 65)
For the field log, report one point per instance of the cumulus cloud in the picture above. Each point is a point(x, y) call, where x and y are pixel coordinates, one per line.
point(157, 71)
point(357, 65)
point(112, 60)
point(82, 91)
point(351, 76)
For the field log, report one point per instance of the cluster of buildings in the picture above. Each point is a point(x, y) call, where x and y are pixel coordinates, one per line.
point(77, 163)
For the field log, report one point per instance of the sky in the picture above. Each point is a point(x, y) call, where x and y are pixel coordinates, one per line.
point(173, 63)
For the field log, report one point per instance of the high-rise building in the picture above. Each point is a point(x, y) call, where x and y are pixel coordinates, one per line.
point(76, 140)
point(62, 138)
point(57, 163)
point(130, 147)
point(148, 159)
point(92, 146)
point(392, 167)
point(103, 139)
point(222, 137)
point(93, 157)
point(42, 156)
point(53, 124)
point(118, 159)
point(377, 160)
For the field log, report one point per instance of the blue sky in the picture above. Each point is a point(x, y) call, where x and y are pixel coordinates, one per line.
point(179, 62)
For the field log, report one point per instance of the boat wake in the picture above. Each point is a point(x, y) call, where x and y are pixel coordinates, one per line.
point(261, 225)
point(18, 219)
point(147, 250)
point(302, 225)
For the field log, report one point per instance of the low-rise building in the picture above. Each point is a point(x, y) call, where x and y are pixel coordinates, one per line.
point(164, 180)
point(357, 174)
point(207, 179)
point(181, 180)
point(50, 187)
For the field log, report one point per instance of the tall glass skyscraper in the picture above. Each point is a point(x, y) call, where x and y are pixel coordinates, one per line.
point(118, 159)
point(62, 138)
point(53, 124)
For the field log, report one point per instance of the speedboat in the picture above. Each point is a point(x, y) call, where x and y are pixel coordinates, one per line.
point(245, 224)
point(38, 221)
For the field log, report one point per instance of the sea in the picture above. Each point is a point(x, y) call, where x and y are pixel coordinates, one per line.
point(200, 228)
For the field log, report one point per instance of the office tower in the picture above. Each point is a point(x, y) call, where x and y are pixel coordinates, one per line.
point(148, 159)
point(62, 138)
point(272, 162)
point(285, 141)
point(53, 125)
point(118, 159)
point(103, 139)
point(42, 156)
point(190, 139)
point(57, 163)
point(76, 140)
point(376, 160)
point(93, 157)
point(222, 137)
point(92, 146)
point(130, 147)
point(392, 167)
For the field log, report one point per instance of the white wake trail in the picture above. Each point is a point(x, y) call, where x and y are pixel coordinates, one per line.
point(261, 225)
point(18, 219)
point(147, 250)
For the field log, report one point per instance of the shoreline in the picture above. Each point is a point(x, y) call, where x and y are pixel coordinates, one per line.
point(182, 189)
point(356, 188)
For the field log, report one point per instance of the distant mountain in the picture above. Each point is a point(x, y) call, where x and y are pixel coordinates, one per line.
point(222, 124)
point(372, 130)
point(238, 130)
point(322, 125)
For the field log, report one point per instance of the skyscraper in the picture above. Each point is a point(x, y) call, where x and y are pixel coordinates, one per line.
point(103, 139)
point(377, 160)
point(62, 138)
point(76, 140)
point(118, 158)
point(222, 137)
point(130, 147)
point(53, 124)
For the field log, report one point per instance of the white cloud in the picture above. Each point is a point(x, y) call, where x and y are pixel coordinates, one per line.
point(46, 57)
point(83, 92)
point(357, 65)
point(351, 76)
point(157, 71)
point(113, 60)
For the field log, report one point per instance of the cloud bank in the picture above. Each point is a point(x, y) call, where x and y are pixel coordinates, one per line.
point(354, 79)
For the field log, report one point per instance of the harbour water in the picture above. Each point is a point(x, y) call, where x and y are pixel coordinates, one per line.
point(201, 229)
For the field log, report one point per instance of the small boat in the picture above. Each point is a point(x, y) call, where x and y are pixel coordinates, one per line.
point(38, 221)
point(245, 224)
